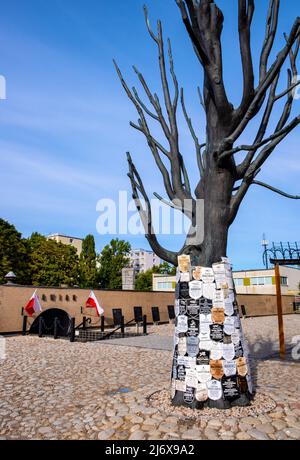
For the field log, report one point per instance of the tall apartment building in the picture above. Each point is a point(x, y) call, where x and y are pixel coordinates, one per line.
point(142, 260)
point(69, 240)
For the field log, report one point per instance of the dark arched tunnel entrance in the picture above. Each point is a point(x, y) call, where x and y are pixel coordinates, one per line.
point(63, 321)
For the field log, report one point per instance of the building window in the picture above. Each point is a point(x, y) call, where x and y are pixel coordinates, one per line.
point(67, 298)
point(60, 298)
point(53, 298)
point(164, 285)
point(71, 240)
point(44, 298)
point(284, 281)
point(74, 298)
point(239, 281)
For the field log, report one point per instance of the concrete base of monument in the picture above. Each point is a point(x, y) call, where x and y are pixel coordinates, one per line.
point(222, 404)
point(246, 405)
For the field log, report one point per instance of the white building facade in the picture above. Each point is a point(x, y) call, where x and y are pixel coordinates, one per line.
point(247, 282)
point(142, 260)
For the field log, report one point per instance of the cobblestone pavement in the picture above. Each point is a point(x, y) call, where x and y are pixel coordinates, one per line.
point(58, 390)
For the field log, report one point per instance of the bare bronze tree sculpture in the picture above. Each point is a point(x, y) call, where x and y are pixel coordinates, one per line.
point(223, 182)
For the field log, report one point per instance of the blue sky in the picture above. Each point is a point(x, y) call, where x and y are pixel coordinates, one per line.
point(64, 127)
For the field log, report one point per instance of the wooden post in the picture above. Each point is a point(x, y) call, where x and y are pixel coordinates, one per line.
point(122, 325)
point(279, 311)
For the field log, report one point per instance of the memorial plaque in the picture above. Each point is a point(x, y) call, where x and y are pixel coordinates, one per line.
point(207, 275)
point(229, 325)
point(216, 351)
point(189, 395)
point(181, 360)
point(182, 323)
point(191, 378)
point(195, 289)
point(216, 369)
point(208, 290)
point(219, 269)
point(205, 306)
point(117, 316)
point(228, 351)
point(201, 393)
point(138, 314)
point(193, 327)
point(184, 277)
point(221, 282)
point(214, 388)
point(218, 299)
point(230, 388)
point(229, 310)
point(238, 349)
point(182, 306)
point(197, 273)
point(203, 358)
point(235, 337)
point(184, 290)
point(229, 368)
point(204, 335)
point(181, 373)
point(192, 346)
point(193, 308)
point(242, 368)
point(205, 344)
point(189, 362)
point(184, 263)
point(203, 373)
point(205, 322)
point(180, 385)
point(155, 315)
point(181, 346)
point(218, 315)
point(216, 332)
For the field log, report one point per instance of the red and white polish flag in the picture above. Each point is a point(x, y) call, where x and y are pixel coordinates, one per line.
point(92, 302)
point(33, 305)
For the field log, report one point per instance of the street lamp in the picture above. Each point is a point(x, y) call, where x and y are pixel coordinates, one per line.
point(265, 244)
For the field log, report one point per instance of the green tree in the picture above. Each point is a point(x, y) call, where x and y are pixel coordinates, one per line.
point(112, 259)
point(88, 263)
point(144, 280)
point(13, 253)
point(52, 263)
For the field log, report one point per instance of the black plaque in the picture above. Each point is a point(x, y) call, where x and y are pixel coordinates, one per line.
point(184, 290)
point(181, 373)
point(238, 350)
point(193, 308)
point(183, 307)
point(230, 387)
point(203, 358)
point(189, 395)
point(171, 312)
point(216, 332)
point(138, 314)
point(155, 315)
point(117, 316)
point(193, 327)
point(205, 306)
